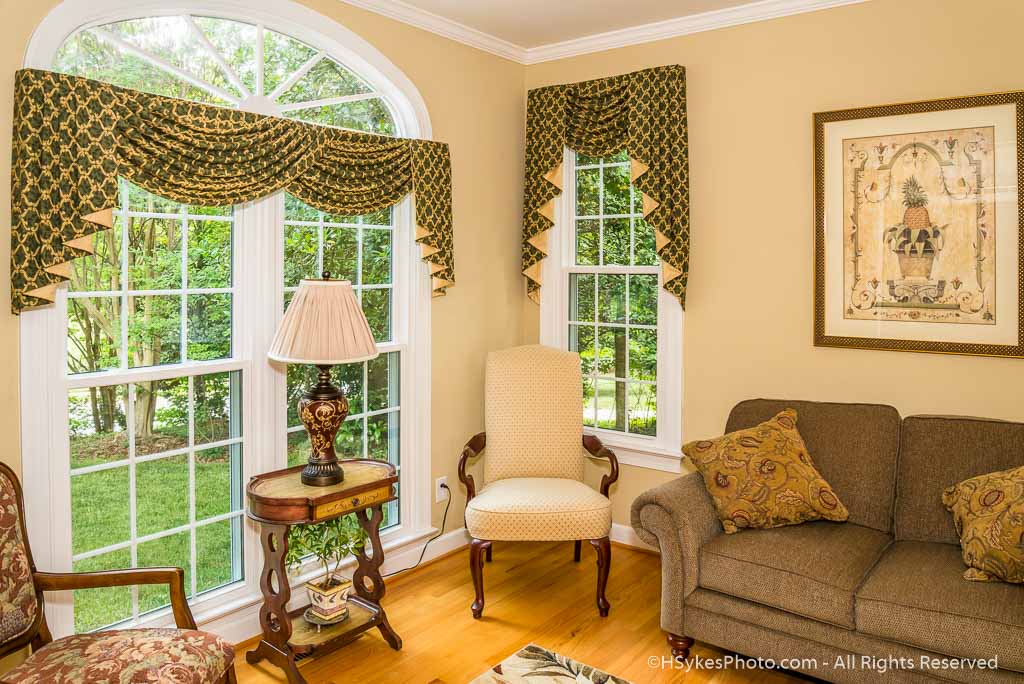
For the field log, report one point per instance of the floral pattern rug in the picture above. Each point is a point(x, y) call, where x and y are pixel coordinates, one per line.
point(538, 665)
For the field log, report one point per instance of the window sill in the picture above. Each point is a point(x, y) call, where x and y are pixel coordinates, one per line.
point(641, 453)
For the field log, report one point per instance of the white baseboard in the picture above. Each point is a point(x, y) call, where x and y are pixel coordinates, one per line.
point(624, 534)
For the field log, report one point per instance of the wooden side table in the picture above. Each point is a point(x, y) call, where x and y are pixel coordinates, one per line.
point(279, 500)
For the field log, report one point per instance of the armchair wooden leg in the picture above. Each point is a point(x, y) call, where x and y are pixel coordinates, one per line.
point(603, 546)
point(477, 547)
point(489, 550)
point(577, 550)
point(229, 677)
point(680, 646)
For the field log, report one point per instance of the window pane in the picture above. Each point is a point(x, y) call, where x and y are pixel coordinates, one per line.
point(218, 410)
point(326, 79)
point(611, 404)
point(589, 419)
point(143, 201)
point(643, 408)
point(643, 354)
point(161, 415)
point(581, 297)
point(349, 377)
point(298, 447)
point(209, 254)
point(377, 307)
point(218, 554)
point(300, 254)
point(588, 239)
point(382, 437)
point(611, 349)
point(300, 378)
point(611, 298)
point(382, 378)
point(99, 509)
point(587, 192)
point(218, 479)
point(282, 56)
point(97, 418)
point(100, 271)
point(616, 190)
point(365, 115)
point(154, 330)
point(94, 334)
point(643, 299)
point(161, 494)
point(349, 441)
point(376, 256)
point(644, 253)
point(154, 253)
point(340, 250)
point(581, 341)
point(616, 241)
point(95, 608)
point(173, 551)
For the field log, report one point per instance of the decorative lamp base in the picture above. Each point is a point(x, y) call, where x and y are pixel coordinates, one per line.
point(322, 410)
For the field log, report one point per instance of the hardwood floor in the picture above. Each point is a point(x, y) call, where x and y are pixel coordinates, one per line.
point(535, 593)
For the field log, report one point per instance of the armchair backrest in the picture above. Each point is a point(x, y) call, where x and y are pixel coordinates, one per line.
point(20, 603)
point(534, 414)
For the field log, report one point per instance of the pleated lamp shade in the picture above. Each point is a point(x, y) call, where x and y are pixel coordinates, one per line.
point(324, 325)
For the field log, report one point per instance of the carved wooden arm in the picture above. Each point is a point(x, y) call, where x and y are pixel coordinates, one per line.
point(593, 445)
point(472, 449)
point(172, 577)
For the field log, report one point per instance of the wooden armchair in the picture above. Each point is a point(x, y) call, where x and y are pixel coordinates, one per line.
point(533, 472)
point(160, 654)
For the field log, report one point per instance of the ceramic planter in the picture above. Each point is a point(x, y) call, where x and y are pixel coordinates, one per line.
point(329, 603)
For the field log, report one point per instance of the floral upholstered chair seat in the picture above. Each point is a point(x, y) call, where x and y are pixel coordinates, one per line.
point(168, 656)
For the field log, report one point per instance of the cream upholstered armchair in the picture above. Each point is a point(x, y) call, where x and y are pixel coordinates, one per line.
point(533, 469)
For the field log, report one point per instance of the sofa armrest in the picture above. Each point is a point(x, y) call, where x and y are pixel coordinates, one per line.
point(679, 518)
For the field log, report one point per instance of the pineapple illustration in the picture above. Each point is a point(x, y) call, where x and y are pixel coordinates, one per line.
point(916, 241)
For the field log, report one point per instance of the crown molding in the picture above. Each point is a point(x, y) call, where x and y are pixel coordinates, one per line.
point(442, 26)
point(634, 35)
point(681, 26)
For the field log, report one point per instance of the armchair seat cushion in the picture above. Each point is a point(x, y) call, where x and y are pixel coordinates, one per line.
point(538, 509)
point(812, 569)
point(169, 656)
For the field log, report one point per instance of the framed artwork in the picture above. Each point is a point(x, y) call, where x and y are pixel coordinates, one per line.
point(919, 230)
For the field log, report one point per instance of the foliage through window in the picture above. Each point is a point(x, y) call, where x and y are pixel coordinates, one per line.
point(613, 298)
point(153, 374)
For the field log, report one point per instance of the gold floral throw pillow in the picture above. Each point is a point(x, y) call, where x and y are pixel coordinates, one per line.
point(763, 477)
point(988, 513)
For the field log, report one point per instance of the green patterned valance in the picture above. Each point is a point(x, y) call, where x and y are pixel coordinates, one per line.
point(643, 113)
point(74, 137)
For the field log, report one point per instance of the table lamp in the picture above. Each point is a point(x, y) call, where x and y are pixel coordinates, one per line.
point(323, 326)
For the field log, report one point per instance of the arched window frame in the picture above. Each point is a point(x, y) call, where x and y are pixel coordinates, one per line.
point(259, 236)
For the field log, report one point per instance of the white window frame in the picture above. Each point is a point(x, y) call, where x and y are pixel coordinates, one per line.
point(257, 308)
point(663, 451)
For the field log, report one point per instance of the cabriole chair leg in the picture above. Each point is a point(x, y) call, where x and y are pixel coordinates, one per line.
point(490, 549)
point(577, 549)
point(477, 547)
point(603, 546)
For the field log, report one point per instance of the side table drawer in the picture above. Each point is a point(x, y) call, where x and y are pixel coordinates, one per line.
point(348, 504)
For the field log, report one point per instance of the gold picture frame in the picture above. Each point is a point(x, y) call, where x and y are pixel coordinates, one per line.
point(919, 226)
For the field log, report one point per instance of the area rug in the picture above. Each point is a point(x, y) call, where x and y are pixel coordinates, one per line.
point(538, 665)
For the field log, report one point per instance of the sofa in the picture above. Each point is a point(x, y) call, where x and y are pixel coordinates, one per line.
point(878, 597)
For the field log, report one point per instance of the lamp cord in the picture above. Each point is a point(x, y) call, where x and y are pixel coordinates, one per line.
point(444, 521)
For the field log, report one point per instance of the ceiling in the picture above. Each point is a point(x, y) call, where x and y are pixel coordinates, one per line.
point(532, 23)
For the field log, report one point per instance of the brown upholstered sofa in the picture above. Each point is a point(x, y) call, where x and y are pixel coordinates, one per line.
point(866, 599)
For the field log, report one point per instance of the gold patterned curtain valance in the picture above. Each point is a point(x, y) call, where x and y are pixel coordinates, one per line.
point(643, 113)
point(73, 138)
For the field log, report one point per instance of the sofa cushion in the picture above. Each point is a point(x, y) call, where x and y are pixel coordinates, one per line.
point(916, 596)
point(811, 569)
point(853, 446)
point(936, 453)
point(763, 477)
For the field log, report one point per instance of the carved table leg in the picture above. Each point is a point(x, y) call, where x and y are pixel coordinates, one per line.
point(603, 546)
point(477, 548)
point(274, 620)
point(367, 579)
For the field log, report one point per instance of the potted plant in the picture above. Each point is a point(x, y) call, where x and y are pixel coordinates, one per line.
point(915, 241)
point(330, 542)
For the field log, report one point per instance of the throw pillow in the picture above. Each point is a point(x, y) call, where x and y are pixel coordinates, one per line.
point(988, 513)
point(763, 477)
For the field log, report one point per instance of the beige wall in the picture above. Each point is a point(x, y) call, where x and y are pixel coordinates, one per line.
point(752, 90)
point(476, 105)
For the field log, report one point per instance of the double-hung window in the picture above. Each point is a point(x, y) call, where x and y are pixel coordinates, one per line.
point(148, 398)
point(602, 298)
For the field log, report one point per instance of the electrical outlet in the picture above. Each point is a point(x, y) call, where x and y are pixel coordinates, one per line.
point(440, 494)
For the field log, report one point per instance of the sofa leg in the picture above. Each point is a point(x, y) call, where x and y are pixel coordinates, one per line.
point(603, 546)
point(680, 646)
point(477, 547)
point(577, 550)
